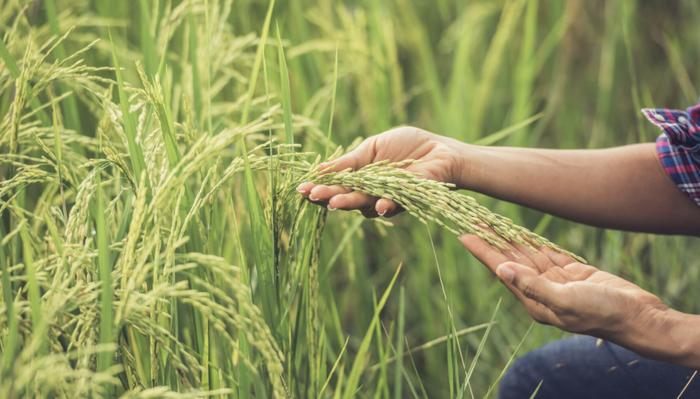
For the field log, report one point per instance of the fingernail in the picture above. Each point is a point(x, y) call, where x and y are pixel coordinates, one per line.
point(382, 212)
point(323, 165)
point(301, 188)
point(313, 197)
point(330, 208)
point(505, 273)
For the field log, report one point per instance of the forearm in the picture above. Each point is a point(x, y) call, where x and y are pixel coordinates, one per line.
point(623, 187)
point(666, 335)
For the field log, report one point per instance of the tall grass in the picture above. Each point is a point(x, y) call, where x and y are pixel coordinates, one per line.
point(152, 242)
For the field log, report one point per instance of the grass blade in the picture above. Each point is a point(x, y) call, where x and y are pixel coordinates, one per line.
point(286, 95)
point(138, 164)
point(332, 108)
point(33, 290)
point(398, 368)
point(479, 350)
point(10, 343)
point(362, 355)
point(71, 105)
point(104, 359)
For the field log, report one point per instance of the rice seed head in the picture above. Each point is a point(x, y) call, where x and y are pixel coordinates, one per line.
point(434, 201)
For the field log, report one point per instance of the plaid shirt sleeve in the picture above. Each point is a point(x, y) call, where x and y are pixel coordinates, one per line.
point(678, 147)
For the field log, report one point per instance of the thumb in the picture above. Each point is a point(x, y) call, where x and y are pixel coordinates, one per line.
point(353, 160)
point(530, 283)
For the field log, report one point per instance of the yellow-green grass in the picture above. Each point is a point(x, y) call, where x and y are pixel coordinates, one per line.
point(152, 242)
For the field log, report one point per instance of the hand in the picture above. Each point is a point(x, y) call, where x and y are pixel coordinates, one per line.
point(439, 158)
point(573, 296)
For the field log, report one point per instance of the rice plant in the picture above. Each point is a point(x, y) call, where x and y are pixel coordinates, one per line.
point(152, 243)
point(429, 200)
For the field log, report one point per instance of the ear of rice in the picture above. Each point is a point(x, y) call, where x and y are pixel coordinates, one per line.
point(430, 200)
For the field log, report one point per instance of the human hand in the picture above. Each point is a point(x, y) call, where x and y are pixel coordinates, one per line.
point(575, 297)
point(439, 156)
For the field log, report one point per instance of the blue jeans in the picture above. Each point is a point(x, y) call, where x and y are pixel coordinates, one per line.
point(583, 367)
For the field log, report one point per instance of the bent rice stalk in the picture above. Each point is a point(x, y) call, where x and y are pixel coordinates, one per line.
point(430, 200)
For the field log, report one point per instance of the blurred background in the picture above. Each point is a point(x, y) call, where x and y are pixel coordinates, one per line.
point(567, 74)
point(468, 69)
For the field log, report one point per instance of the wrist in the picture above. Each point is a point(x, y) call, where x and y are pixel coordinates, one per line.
point(469, 167)
point(684, 335)
point(662, 333)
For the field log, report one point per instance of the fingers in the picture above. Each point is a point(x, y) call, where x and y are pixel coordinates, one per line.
point(351, 160)
point(336, 197)
point(532, 285)
point(491, 256)
point(494, 260)
point(322, 193)
point(539, 311)
point(577, 271)
point(558, 258)
point(352, 200)
point(487, 254)
point(339, 197)
point(347, 161)
point(355, 159)
point(537, 259)
point(305, 188)
point(542, 314)
point(535, 292)
point(578, 267)
point(387, 208)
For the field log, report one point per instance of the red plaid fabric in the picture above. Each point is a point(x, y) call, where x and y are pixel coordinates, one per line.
point(678, 147)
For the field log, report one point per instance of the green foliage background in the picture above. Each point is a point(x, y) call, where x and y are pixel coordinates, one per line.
point(198, 89)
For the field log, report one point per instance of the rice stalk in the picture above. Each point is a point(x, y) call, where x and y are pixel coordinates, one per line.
point(434, 201)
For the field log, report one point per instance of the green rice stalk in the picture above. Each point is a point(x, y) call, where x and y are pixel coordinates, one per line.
point(434, 201)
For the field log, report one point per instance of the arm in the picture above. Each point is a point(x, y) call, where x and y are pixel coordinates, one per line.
point(667, 335)
point(623, 188)
point(582, 299)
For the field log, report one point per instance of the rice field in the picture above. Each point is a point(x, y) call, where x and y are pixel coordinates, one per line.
point(153, 243)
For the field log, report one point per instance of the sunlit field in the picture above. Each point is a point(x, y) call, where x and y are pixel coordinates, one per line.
point(153, 244)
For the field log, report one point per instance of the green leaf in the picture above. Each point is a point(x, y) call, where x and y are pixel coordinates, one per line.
point(104, 359)
point(33, 290)
point(362, 355)
point(135, 154)
point(286, 95)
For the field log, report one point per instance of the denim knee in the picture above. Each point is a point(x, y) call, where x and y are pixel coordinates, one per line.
point(519, 380)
